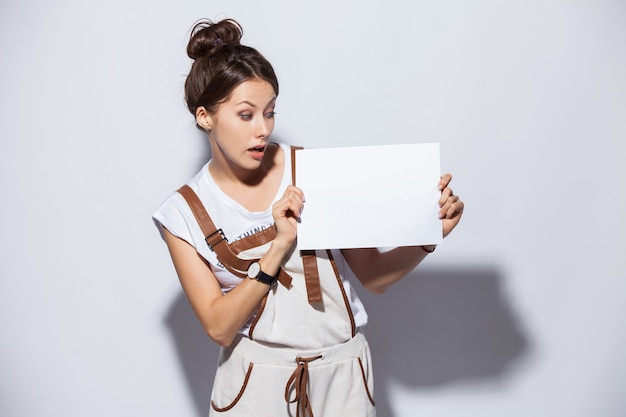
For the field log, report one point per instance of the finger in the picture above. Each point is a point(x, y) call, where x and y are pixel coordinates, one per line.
point(445, 208)
point(455, 209)
point(444, 181)
point(286, 210)
point(292, 189)
point(292, 205)
point(446, 193)
point(293, 193)
point(296, 202)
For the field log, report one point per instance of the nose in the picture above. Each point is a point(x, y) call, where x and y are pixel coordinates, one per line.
point(263, 129)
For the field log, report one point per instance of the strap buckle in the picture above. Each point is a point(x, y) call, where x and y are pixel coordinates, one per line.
point(215, 238)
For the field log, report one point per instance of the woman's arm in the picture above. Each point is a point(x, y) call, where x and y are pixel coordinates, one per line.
point(378, 271)
point(223, 315)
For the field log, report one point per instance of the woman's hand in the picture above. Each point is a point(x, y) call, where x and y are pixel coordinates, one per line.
point(286, 213)
point(451, 206)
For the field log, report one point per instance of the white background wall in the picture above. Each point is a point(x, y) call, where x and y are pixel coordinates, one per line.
point(521, 312)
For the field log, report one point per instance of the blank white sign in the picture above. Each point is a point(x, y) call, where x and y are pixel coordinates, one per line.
point(369, 196)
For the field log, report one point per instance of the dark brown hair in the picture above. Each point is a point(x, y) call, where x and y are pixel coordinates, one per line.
point(220, 64)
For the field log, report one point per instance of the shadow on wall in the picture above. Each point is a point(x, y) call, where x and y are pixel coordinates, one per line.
point(433, 328)
point(197, 353)
point(441, 326)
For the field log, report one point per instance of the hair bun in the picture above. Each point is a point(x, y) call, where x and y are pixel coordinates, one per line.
point(208, 37)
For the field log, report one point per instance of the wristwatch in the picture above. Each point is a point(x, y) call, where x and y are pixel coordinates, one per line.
point(254, 272)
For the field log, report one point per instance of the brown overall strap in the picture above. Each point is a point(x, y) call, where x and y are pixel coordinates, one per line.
point(216, 240)
point(309, 260)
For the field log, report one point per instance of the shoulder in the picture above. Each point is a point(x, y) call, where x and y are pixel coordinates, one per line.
point(174, 213)
point(285, 155)
point(285, 147)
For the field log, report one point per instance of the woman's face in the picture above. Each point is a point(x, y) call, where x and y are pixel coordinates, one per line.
point(241, 126)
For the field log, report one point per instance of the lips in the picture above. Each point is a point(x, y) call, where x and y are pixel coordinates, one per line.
point(257, 152)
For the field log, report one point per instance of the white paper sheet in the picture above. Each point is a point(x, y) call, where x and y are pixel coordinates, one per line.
point(369, 196)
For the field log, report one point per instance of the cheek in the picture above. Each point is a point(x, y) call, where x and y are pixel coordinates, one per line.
point(229, 130)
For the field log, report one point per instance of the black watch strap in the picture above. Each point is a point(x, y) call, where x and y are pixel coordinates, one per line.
point(266, 279)
point(254, 272)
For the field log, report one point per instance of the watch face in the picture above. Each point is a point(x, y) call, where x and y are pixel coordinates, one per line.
point(254, 269)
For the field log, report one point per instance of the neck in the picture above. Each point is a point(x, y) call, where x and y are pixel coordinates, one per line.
point(253, 189)
point(224, 170)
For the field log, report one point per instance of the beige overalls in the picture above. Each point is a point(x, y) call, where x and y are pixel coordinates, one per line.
point(304, 356)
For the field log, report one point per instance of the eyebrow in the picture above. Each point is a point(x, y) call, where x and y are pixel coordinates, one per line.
point(254, 105)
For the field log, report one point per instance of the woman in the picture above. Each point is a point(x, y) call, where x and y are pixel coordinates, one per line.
point(288, 320)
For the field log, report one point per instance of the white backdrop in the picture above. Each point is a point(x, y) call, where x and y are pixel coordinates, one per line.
point(521, 312)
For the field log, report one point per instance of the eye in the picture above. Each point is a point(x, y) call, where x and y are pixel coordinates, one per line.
point(270, 114)
point(245, 116)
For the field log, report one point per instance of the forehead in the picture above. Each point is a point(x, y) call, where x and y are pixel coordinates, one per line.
point(255, 91)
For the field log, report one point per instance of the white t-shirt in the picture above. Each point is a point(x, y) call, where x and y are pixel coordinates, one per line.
point(236, 222)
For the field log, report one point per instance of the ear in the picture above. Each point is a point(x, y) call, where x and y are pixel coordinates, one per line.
point(204, 119)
